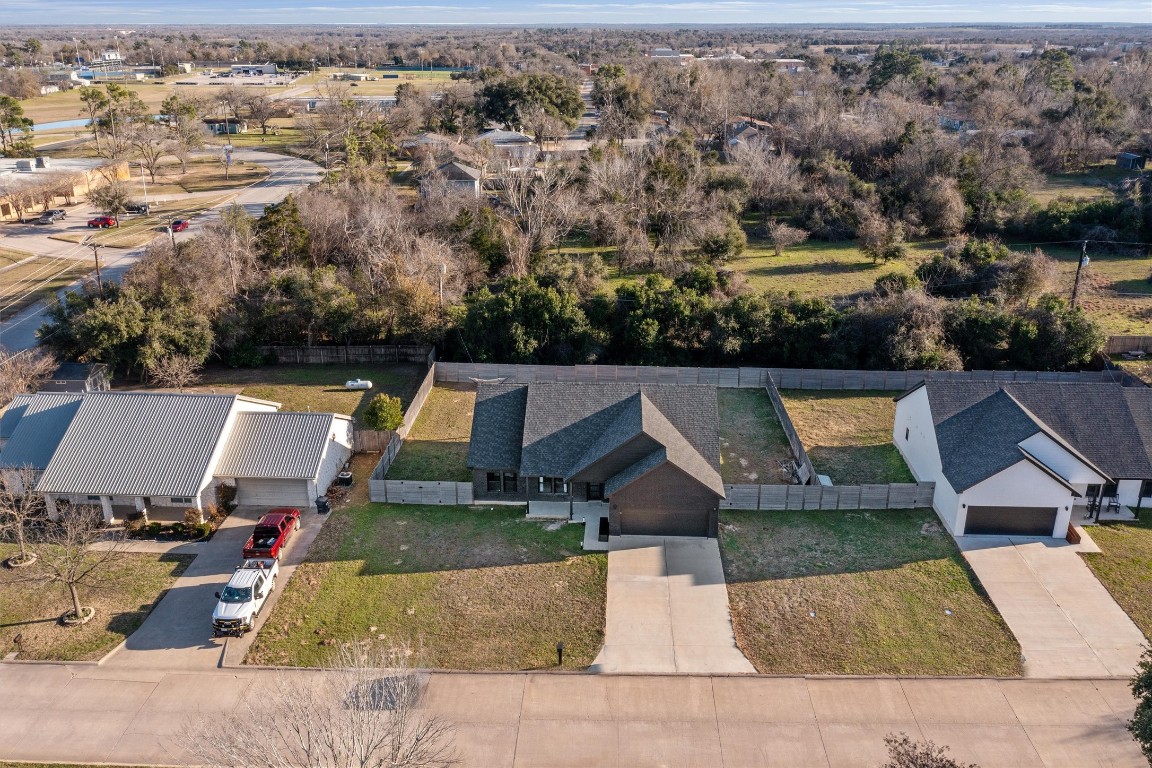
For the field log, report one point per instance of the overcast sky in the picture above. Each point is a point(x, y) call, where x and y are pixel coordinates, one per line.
point(127, 12)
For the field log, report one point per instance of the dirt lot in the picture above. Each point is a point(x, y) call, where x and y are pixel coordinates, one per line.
point(753, 448)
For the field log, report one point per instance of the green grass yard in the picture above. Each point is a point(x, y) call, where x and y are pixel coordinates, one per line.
point(25, 284)
point(753, 448)
point(437, 446)
point(848, 434)
point(858, 593)
point(1124, 566)
point(470, 588)
point(128, 589)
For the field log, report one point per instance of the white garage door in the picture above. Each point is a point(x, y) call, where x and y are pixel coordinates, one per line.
point(273, 493)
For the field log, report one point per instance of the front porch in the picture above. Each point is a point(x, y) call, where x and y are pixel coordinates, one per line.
point(588, 512)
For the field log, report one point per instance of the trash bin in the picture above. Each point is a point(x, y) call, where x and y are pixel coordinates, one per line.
point(322, 506)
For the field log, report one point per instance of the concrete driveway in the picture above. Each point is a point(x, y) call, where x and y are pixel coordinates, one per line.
point(1066, 622)
point(178, 633)
point(668, 609)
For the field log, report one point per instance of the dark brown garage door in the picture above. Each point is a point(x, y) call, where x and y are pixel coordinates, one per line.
point(1014, 521)
point(660, 522)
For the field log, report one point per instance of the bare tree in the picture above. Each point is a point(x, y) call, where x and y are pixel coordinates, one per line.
point(177, 371)
point(19, 505)
point(151, 143)
point(905, 753)
point(68, 556)
point(23, 371)
point(783, 236)
point(262, 108)
point(540, 208)
point(361, 711)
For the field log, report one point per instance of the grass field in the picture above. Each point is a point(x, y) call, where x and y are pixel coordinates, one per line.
point(129, 587)
point(204, 175)
point(437, 446)
point(470, 588)
point(8, 257)
point(859, 593)
point(66, 105)
point(753, 448)
point(24, 285)
point(1124, 567)
point(848, 435)
point(423, 81)
point(317, 388)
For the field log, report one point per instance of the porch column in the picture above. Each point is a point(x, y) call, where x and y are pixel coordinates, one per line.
point(142, 508)
point(50, 505)
point(106, 508)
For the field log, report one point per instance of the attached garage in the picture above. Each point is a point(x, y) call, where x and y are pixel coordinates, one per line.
point(664, 522)
point(258, 492)
point(1010, 521)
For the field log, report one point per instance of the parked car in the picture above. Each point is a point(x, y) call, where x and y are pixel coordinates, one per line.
point(137, 208)
point(239, 603)
point(179, 225)
point(358, 384)
point(271, 534)
point(103, 222)
point(51, 216)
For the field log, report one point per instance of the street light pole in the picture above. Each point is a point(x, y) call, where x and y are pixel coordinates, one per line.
point(145, 185)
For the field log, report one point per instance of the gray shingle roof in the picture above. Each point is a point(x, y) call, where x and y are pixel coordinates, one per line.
point(497, 426)
point(982, 440)
point(278, 445)
point(456, 171)
point(33, 427)
point(1109, 424)
point(138, 444)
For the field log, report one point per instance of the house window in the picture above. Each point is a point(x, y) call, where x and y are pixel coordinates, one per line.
point(494, 482)
point(1092, 492)
point(905, 434)
point(1146, 489)
point(595, 491)
point(501, 482)
point(182, 500)
point(509, 480)
point(553, 485)
point(93, 498)
point(1109, 490)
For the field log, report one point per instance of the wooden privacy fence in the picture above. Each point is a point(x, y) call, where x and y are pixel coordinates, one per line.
point(371, 440)
point(419, 491)
point(418, 401)
point(796, 497)
point(377, 488)
point(396, 353)
point(784, 378)
point(1117, 345)
point(804, 469)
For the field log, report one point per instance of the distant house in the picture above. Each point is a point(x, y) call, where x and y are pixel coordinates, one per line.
point(267, 68)
point(650, 451)
point(461, 177)
point(956, 122)
point(665, 53)
point(1130, 162)
point(509, 145)
point(745, 131)
point(226, 125)
point(1016, 459)
point(430, 142)
point(790, 66)
point(140, 452)
point(78, 377)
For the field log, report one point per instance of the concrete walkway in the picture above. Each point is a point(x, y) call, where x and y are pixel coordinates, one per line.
point(1065, 620)
point(86, 714)
point(668, 609)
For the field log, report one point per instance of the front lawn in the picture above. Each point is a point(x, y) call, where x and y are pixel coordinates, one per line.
point(848, 434)
point(1124, 566)
point(317, 388)
point(472, 588)
point(437, 446)
point(128, 590)
point(858, 593)
point(753, 448)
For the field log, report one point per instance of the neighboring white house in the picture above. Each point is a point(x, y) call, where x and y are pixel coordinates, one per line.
point(139, 451)
point(267, 68)
point(461, 177)
point(509, 145)
point(1015, 458)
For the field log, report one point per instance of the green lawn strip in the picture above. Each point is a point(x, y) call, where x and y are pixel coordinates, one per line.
point(880, 584)
point(9, 256)
point(471, 588)
point(753, 446)
point(1124, 566)
point(848, 434)
point(437, 446)
point(318, 388)
point(128, 588)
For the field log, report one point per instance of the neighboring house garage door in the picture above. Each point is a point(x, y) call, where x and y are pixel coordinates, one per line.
point(661, 522)
point(273, 493)
point(1016, 521)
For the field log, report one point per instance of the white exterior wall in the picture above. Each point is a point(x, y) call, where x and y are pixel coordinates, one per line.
point(1128, 494)
point(206, 494)
point(922, 454)
point(1055, 456)
point(336, 452)
point(1020, 485)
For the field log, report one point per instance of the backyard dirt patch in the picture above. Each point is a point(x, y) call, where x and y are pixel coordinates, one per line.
point(861, 593)
point(848, 435)
point(437, 446)
point(471, 588)
point(1124, 567)
point(128, 590)
point(317, 388)
point(753, 448)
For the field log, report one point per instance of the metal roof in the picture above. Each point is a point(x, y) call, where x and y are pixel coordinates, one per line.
point(139, 444)
point(285, 445)
point(33, 427)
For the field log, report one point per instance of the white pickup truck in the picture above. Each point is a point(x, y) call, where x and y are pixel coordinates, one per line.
point(243, 597)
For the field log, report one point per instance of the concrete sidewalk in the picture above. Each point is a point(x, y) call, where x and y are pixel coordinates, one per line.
point(667, 609)
point(84, 714)
point(1065, 620)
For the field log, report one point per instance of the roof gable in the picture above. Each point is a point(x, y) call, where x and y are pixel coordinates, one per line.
point(37, 423)
point(982, 440)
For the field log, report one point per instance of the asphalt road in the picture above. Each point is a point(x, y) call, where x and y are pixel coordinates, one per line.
point(286, 174)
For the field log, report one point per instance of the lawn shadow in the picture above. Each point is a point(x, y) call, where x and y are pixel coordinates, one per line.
point(861, 464)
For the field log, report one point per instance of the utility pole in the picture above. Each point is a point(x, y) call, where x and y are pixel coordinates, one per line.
point(1080, 268)
point(96, 257)
point(172, 232)
point(443, 272)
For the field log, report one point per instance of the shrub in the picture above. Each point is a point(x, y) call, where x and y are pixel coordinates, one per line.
point(226, 497)
point(154, 529)
point(200, 531)
point(192, 517)
point(1140, 726)
point(384, 413)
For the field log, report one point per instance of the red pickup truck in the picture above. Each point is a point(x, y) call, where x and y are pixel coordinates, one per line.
point(271, 534)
